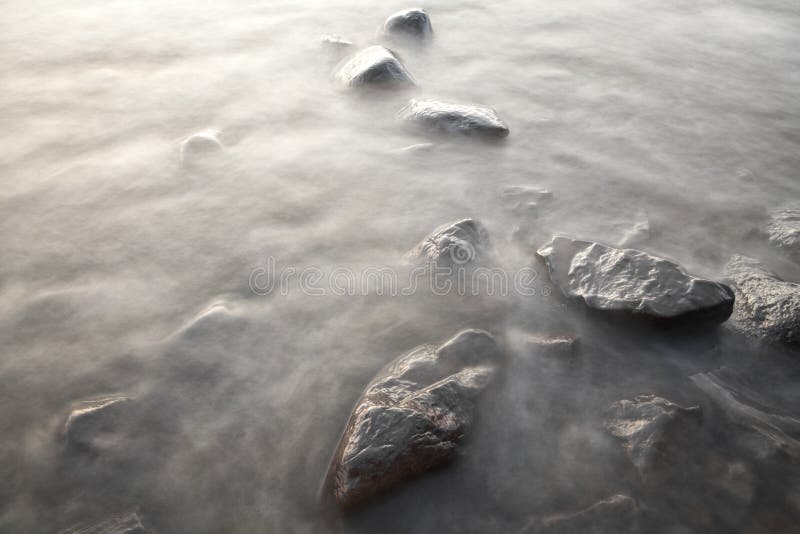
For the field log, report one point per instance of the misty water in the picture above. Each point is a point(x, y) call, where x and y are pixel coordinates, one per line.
point(126, 269)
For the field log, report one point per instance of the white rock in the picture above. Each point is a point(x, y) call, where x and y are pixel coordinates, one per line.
point(454, 118)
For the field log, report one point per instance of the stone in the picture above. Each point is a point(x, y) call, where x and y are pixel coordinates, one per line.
point(412, 417)
point(459, 243)
point(654, 431)
point(199, 144)
point(454, 118)
point(559, 346)
point(409, 22)
point(616, 514)
point(375, 66)
point(784, 230)
point(93, 425)
point(129, 523)
point(630, 281)
point(336, 42)
point(767, 307)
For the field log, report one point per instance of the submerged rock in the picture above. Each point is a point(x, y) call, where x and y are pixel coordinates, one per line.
point(336, 42)
point(93, 425)
point(627, 280)
point(766, 307)
point(125, 524)
point(618, 513)
point(459, 243)
point(653, 430)
point(560, 346)
point(784, 230)
point(454, 118)
point(201, 143)
point(409, 22)
point(412, 417)
point(375, 66)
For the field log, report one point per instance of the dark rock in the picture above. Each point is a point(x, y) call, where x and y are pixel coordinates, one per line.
point(375, 66)
point(784, 230)
point(124, 524)
point(409, 22)
point(460, 243)
point(412, 417)
point(631, 281)
point(454, 118)
point(654, 432)
point(766, 307)
point(617, 514)
point(94, 425)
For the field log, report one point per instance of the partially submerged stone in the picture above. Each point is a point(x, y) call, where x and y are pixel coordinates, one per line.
point(199, 144)
point(375, 66)
point(561, 346)
point(129, 523)
point(93, 425)
point(335, 41)
point(631, 281)
point(454, 118)
point(784, 230)
point(767, 307)
point(616, 514)
point(459, 243)
point(413, 22)
point(412, 417)
point(653, 431)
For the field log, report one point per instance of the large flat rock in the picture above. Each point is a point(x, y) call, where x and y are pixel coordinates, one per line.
point(375, 66)
point(454, 118)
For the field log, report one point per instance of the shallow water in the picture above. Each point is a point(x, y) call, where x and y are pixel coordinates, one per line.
point(114, 250)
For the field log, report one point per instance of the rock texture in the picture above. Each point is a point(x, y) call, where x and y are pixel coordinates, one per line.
point(454, 118)
point(784, 230)
point(412, 417)
point(628, 280)
point(92, 425)
point(375, 66)
point(766, 307)
point(653, 430)
point(409, 22)
point(617, 514)
point(124, 524)
point(459, 243)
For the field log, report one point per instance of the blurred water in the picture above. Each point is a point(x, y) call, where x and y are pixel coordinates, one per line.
point(686, 112)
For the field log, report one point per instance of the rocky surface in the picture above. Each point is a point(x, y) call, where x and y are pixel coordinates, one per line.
point(409, 22)
point(767, 307)
point(614, 515)
point(454, 118)
point(631, 281)
point(199, 144)
point(125, 524)
point(784, 230)
point(375, 66)
point(92, 425)
point(653, 430)
point(412, 417)
point(459, 243)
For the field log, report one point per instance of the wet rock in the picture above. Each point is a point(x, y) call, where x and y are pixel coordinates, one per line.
point(561, 346)
point(454, 118)
point(409, 22)
point(375, 66)
point(766, 307)
point(336, 42)
point(654, 431)
point(412, 417)
point(618, 513)
point(631, 281)
point(460, 243)
point(125, 524)
point(94, 425)
point(199, 144)
point(784, 230)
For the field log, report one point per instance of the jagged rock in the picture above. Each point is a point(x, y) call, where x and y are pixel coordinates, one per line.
point(125, 524)
point(617, 514)
point(784, 230)
point(204, 142)
point(93, 425)
point(769, 435)
point(375, 66)
point(412, 417)
point(409, 22)
point(766, 307)
point(631, 281)
point(653, 430)
point(454, 118)
point(460, 243)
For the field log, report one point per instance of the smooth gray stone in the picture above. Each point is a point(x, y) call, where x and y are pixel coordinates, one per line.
point(454, 118)
point(784, 230)
point(616, 514)
point(412, 417)
point(375, 66)
point(125, 524)
point(409, 22)
point(767, 307)
point(459, 243)
point(631, 281)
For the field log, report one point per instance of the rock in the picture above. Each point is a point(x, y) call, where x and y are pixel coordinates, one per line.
point(412, 417)
point(375, 66)
point(416, 148)
point(199, 144)
point(459, 243)
point(631, 281)
point(617, 514)
point(653, 430)
point(784, 230)
point(561, 346)
point(336, 42)
point(454, 118)
point(409, 22)
point(93, 425)
point(767, 307)
point(124, 524)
